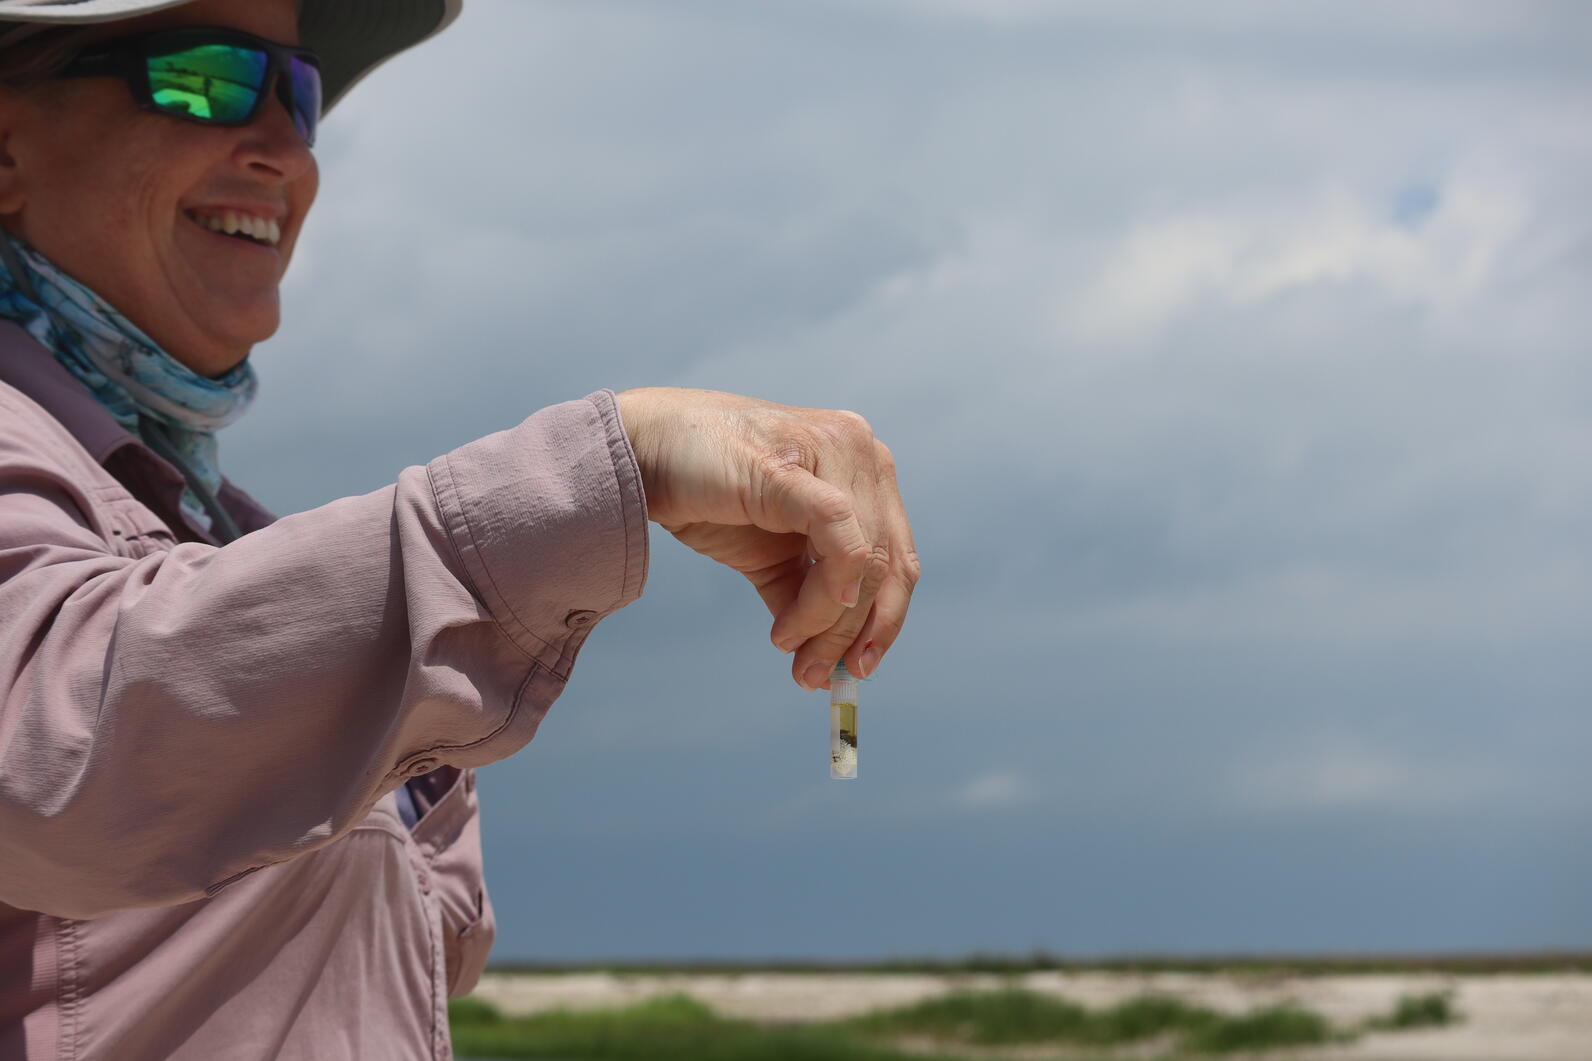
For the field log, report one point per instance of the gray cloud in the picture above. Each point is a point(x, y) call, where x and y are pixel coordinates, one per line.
point(1236, 367)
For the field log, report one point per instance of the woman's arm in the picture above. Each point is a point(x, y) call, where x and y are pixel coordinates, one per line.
point(171, 723)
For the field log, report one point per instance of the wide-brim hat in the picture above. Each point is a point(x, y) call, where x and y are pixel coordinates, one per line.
point(352, 37)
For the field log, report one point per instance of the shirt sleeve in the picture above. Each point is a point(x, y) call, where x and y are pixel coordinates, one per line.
point(171, 723)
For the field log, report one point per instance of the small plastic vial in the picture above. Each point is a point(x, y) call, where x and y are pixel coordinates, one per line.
point(842, 723)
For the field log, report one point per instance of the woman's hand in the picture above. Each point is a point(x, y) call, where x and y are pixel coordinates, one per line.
point(803, 502)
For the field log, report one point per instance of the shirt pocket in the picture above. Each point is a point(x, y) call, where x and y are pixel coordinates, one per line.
point(131, 530)
point(449, 839)
point(471, 945)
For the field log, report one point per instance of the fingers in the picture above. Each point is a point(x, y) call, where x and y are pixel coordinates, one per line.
point(780, 585)
point(884, 624)
point(803, 502)
point(863, 636)
point(816, 656)
point(834, 584)
point(889, 611)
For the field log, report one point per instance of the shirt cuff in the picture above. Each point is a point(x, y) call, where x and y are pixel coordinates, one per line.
point(549, 521)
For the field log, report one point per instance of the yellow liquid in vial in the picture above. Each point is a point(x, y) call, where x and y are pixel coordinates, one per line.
point(843, 740)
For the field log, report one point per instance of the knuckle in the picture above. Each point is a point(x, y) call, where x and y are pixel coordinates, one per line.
point(911, 569)
point(849, 429)
point(786, 459)
point(876, 564)
point(884, 458)
point(831, 643)
point(855, 421)
point(833, 506)
point(888, 627)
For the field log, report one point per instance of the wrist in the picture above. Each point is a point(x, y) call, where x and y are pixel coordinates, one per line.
point(633, 408)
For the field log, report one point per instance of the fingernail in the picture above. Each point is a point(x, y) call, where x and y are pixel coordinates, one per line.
point(789, 643)
point(851, 594)
point(870, 659)
point(816, 674)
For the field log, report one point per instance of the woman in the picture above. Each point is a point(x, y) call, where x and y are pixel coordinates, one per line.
point(237, 810)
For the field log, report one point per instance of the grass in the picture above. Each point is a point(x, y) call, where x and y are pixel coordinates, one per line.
point(1274, 1026)
point(679, 1028)
point(998, 1018)
point(986, 1018)
point(675, 1028)
point(1418, 1011)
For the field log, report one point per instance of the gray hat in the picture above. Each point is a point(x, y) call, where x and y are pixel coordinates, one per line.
point(352, 37)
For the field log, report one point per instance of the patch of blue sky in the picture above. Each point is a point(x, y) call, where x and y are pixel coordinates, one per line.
point(1414, 203)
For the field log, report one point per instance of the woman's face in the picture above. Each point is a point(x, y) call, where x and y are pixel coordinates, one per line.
point(117, 196)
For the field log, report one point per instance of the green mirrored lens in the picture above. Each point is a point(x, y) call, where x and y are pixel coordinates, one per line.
point(210, 82)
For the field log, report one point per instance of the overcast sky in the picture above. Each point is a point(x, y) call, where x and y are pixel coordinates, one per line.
point(1235, 356)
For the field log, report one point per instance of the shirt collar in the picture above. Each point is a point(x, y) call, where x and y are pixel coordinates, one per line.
point(31, 369)
point(26, 365)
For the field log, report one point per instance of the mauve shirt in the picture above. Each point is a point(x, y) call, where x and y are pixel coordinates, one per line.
point(201, 856)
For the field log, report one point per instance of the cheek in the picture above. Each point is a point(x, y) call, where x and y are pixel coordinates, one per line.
point(90, 157)
point(110, 218)
point(124, 176)
point(103, 196)
point(152, 182)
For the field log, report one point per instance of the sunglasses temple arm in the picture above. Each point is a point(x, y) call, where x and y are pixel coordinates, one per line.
point(103, 65)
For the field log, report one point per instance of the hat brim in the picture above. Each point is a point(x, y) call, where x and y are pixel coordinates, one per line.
point(352, 37)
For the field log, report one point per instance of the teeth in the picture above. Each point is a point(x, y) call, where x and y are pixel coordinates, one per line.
point(231, 223)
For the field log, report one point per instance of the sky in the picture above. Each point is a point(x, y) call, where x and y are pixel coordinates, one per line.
point(1234, 357)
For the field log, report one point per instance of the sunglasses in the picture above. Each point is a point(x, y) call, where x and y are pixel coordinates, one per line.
point(209, 75)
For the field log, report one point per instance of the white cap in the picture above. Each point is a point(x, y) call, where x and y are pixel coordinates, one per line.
point(352, 37)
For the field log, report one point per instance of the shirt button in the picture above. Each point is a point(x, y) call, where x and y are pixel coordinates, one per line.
point(422, 766)
point(576, 620)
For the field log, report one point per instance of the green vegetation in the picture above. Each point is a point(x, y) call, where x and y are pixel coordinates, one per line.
point(472, 1012)
point(990, 1017)
point(1017, 1016)
point(1418, 1011)
point(1273, 1026)
point(678, 1028)
point(675, 1028)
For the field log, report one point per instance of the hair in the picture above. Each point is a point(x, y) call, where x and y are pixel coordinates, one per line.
point(39, 54)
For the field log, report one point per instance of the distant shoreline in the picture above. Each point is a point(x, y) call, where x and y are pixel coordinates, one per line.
point(1458, 963)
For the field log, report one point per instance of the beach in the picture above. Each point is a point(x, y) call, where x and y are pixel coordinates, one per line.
point(1509, 1016)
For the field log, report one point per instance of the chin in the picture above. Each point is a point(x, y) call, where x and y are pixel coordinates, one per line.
point(222, 351)
point(232, 339)
point(211, 362)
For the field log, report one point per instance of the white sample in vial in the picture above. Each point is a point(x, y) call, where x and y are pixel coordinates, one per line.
point(842, 723)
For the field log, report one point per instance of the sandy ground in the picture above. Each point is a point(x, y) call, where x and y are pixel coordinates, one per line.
point(1506, 1017)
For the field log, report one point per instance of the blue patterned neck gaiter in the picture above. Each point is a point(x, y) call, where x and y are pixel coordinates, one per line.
point(125, 370)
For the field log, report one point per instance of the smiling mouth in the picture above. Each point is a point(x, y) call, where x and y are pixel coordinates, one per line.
point(259, 230)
